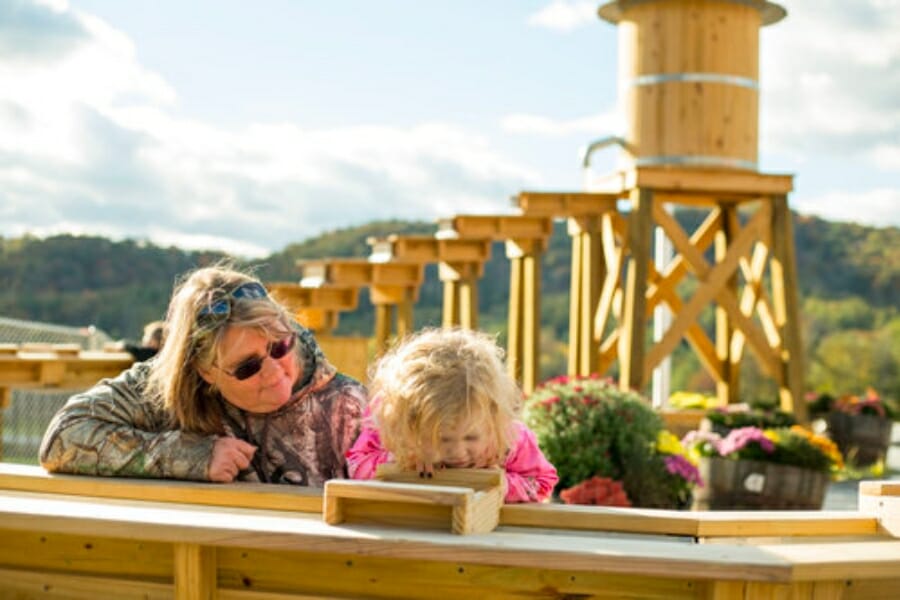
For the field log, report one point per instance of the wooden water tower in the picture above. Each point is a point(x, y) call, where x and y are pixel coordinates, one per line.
point(688, 80)
point(688, 72)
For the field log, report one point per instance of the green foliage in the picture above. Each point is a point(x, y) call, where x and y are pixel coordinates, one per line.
point(588, 427)
point(724, 420)
point(849, 279)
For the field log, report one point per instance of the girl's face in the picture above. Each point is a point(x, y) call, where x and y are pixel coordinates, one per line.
point(465, 444)
point(267, 389)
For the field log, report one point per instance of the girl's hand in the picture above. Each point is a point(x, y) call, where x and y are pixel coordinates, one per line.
point(424, 465)
point(229, 457)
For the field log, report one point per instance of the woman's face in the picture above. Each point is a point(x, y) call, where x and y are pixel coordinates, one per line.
point(266, 390)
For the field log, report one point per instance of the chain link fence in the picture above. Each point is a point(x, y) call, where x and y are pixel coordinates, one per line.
point(25, 420)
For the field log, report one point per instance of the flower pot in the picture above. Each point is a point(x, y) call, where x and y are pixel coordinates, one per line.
point(862, 439)
point(750, 484)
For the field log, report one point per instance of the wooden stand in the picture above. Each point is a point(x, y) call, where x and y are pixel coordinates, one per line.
point(459, 500)
point(749, 225)
point(393, 288)
point(460, 265)
point(585, 214)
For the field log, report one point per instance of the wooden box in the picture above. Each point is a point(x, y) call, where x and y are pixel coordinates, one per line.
point(459, 500)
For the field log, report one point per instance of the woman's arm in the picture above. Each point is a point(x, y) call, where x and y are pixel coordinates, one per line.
point(111, 429)
point(529, 475)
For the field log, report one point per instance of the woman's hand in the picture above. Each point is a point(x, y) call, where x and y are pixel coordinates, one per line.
point(229, 457)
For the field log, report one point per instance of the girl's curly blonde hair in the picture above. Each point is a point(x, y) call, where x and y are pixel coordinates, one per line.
point(442, 376)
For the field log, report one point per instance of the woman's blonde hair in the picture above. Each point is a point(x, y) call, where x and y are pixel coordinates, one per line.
point(442, 376)
point(192, 342)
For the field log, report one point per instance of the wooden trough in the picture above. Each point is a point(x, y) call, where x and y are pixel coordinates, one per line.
point(87, 537)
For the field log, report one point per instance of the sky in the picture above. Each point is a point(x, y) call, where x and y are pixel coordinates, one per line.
point(248, 126)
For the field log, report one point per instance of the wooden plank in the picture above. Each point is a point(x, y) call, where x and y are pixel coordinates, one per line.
point(565, 204)
point(40, 583)
point(496, 227)
point(195, 572)
point(28, 478)
point(714, 182)
point(531, 321)
point(514, 316)
point(354, 575)
point(577, 277)
point(727, 386)
point(783, 271)
point(115, 558)
point(632, 370)
point(333, 297)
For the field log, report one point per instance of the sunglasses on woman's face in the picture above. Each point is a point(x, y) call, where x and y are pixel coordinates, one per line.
point(253, 365)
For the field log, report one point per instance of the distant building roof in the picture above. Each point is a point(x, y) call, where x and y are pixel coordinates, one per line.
point(17, 331)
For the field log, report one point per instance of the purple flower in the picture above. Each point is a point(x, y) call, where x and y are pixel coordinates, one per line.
point(738, 439)
point(679, 465)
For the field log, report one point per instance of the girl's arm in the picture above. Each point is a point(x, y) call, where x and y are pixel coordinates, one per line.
point(529, 475)
point(366, 453)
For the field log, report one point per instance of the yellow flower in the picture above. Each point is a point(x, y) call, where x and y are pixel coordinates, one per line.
point(828, 447)
point(668, 443)
point(687, 400)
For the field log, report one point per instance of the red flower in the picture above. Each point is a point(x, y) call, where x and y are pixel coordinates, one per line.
point(600, 491)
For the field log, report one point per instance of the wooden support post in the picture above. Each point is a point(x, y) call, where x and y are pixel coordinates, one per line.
point(468, 303)
point(405, 321)
point(588, 271)
point(524, 310)
point(787, 309)
point(727, 386)
point(531, 321)
point(195, 572)
point(384, 314)
point(514, 329)
point(5, 401)
point(634, 325)
point(576, 280)
point(450, 309)
point(594, 268)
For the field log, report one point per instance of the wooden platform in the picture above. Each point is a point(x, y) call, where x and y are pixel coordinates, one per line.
point(83, 537)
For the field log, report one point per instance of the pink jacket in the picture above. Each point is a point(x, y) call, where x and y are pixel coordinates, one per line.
point(529, 476)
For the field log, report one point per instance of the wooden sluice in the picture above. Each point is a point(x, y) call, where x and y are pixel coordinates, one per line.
point(83, 537)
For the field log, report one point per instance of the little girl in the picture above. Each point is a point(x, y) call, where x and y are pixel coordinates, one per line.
point(443, 399)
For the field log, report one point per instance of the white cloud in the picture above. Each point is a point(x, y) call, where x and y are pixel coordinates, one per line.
point(880, 206)
point(606, 123)
point(830, 77)
point(564, 16)
point(96, 138)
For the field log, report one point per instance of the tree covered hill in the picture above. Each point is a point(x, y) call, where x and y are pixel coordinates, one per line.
point(849, 280)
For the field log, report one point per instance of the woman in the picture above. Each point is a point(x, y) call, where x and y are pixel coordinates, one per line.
point(237, 392)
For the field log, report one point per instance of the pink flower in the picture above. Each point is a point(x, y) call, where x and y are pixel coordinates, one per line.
point(738, 439)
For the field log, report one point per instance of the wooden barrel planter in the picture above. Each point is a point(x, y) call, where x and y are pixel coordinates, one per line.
point(749, 485)
point(862, 439)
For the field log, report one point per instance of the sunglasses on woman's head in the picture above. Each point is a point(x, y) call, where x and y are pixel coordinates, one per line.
point(222, 307)
point(253, 365)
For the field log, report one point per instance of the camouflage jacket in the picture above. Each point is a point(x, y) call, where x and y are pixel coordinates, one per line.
point(115, 429)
